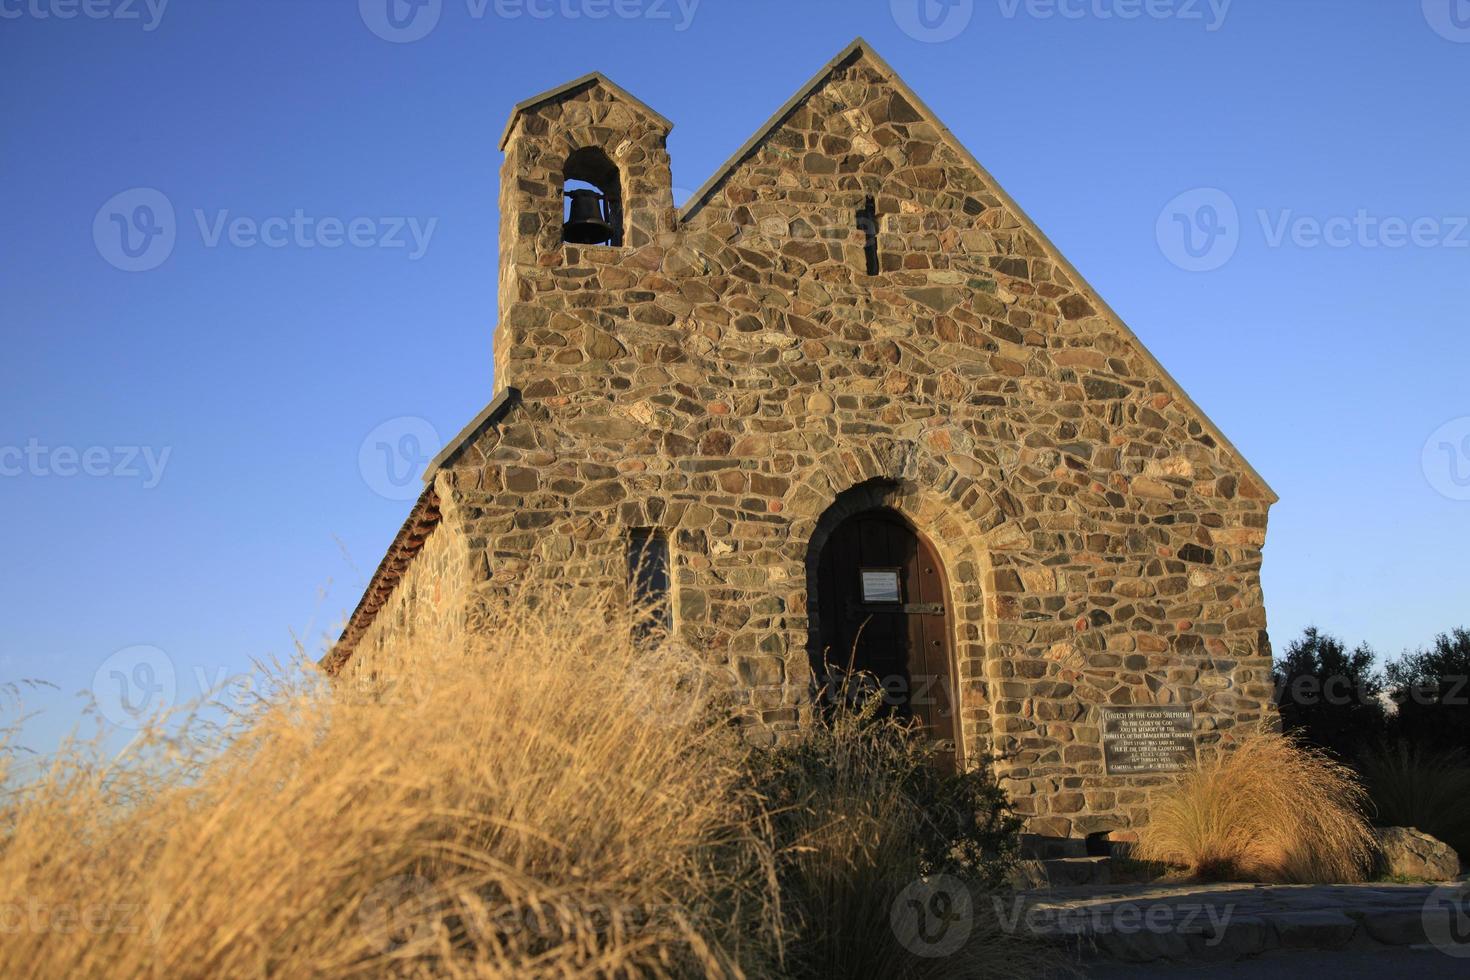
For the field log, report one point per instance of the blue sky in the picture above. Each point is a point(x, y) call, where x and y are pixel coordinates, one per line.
point(205, 458)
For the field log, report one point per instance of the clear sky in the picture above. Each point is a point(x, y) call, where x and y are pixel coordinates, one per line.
point(207, 425)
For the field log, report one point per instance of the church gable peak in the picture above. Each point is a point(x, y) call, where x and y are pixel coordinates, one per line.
point(848, 56)
point(858, 70)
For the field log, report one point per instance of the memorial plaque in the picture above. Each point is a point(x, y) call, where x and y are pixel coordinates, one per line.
point(1153, 738)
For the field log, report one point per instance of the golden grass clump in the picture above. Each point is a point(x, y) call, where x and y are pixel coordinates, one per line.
point(547, 804)
point(1266, 809)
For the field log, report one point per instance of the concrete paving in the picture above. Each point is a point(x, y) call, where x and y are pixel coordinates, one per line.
point(1380, 964)
point(1219, 925)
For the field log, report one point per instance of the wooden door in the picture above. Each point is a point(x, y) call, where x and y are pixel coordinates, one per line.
point(883, 608)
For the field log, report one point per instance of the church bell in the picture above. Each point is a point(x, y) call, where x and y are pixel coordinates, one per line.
point(590, 220)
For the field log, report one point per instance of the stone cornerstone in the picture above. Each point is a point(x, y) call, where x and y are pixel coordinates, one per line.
point(850, 314)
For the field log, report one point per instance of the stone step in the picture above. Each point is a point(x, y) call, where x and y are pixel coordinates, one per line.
point(1063, 872)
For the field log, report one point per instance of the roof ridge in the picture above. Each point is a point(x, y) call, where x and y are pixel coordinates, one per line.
point(491, 414)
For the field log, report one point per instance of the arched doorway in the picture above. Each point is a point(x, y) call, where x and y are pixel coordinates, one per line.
point(883, 614)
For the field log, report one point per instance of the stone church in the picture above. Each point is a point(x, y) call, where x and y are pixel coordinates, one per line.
point(848, 399)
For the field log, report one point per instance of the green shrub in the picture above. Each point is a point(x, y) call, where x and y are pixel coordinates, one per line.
point(1431, 690)
point(1328, 695)
point(861, 811)
point(1413, 786)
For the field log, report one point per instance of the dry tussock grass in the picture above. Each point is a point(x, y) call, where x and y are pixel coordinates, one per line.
point(533, 807)
point(1268, 809)
point(559, 800)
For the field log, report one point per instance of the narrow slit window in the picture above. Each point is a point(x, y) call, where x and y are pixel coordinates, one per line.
point(648, 579)
point(867, 222)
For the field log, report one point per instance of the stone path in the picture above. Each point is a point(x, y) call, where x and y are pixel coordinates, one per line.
point(1387, 963)
point(1223, 923)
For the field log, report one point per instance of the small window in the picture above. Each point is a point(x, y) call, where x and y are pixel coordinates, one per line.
point(867, 222)
point(592, 208)
point(648, 579)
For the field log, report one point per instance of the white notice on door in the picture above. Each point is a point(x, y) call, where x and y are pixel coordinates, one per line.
point(880, 584)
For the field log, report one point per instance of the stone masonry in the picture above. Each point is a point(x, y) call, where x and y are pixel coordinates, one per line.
point(733, 375)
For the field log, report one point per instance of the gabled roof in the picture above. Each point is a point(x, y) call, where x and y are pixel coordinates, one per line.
point(492, 413)
point(861, 48)
point(576, 84)
point(422, 521)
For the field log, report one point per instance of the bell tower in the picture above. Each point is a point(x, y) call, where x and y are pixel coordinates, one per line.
point(587, 168)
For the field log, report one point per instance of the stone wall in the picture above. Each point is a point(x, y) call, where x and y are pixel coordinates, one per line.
point(733, 374)
point(424, 611)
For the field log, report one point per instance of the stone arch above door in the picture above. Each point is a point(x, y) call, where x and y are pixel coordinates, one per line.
point(881, 621)
point(949, 512)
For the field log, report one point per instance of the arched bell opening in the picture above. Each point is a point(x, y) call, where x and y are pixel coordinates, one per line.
point(592, 199)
